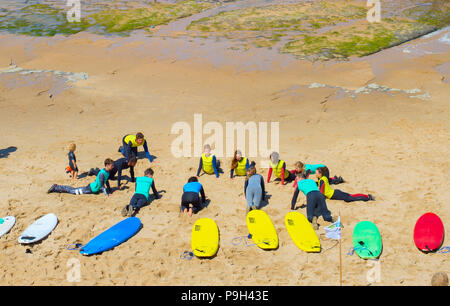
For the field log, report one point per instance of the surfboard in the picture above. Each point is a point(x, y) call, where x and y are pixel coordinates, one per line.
point(261, 229)
point(301, 232)
point(38, 230)
point(205, 238)
point(6, 224)
point(367, 240)
point(112, 237)
point(429, 232)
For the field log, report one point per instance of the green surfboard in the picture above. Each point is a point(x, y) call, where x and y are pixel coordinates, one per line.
point(367, 240)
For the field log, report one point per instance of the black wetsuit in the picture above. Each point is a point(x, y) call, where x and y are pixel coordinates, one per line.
point(119, 165)
point(72, 158)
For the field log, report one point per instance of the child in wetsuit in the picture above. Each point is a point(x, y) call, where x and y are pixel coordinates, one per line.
point(254, 190)
point(240, 165)
point(119, 165)
point(142, 192)
point(190, 196)
point(99, 184)
point(208, 162)
point(278, 167)
point(73, 161)
point(315, 201)
point(307, 169)
point(336, 194)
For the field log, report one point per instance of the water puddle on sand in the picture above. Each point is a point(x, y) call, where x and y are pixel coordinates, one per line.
point(16, 77)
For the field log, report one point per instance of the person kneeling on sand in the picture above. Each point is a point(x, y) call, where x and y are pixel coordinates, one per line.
point(336, 194)
point(100, 182)
point(208, 162)
point(141, 194)
point(190, 196)
point(307, 169)
point(121, 164)
point(130, 143)
point(240, 165)
point(278, 167)
point(315, 201)
point(254, 190)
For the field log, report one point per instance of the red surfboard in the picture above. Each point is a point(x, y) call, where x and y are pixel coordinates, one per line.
point(429, 232)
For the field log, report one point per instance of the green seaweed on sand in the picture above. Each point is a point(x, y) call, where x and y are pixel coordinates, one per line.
point(361, 40)
point(116, 21)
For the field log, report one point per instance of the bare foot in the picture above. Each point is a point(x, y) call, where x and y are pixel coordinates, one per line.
point(190, 212)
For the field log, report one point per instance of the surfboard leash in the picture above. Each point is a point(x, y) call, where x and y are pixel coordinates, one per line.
point(187, 255)
point(74, 246)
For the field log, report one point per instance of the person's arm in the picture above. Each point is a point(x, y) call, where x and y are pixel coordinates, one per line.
point(155, 192)
point(200, 166)
point(308, 172)
point(215, 166)
point(132, 174)
point(247, 165)
point(127, 150)
point(202, 193)
point(283, 170)
point(106, 190)
point(147, 154)
point(263, 188)
point(294, 199)
point(322, 187)
point(269, 175)
point(119, 174)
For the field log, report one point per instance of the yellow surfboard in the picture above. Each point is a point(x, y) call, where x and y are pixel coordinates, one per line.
point(302, 232)
point(261, 229)
point(205, 238)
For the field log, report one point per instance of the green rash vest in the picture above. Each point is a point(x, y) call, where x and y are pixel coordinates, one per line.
point(307, 185)
point(96, 185)
point(143, 185)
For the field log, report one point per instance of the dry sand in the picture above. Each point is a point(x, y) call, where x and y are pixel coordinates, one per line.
point(390, 145)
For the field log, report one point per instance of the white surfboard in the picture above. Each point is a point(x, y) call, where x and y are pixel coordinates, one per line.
point(40, 229)
point(6, 224)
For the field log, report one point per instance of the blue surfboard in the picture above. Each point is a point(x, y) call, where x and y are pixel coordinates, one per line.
point(112, 237)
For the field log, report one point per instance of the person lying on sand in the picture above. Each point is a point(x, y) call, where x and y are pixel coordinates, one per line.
point(190, 196)
point(307, 169)
point(208, 162)
point(100, 182)
point(73, 168)
point(254, 190)
point(315, 201)
point(239, 165)
point(121, 164)
point(130, 144)
point(278, 167)
point(141, 194)
point(336, 194)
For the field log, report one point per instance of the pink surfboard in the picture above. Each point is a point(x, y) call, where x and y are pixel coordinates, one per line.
point(429, 232)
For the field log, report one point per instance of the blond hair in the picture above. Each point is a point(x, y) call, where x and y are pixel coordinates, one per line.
point(72, 147)
point(300, 166)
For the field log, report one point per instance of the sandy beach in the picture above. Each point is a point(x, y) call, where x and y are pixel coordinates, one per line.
point(379, 121)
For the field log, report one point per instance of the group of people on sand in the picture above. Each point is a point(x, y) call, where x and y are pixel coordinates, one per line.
point(254, 186)
point(193, 198)
point(113, 170)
